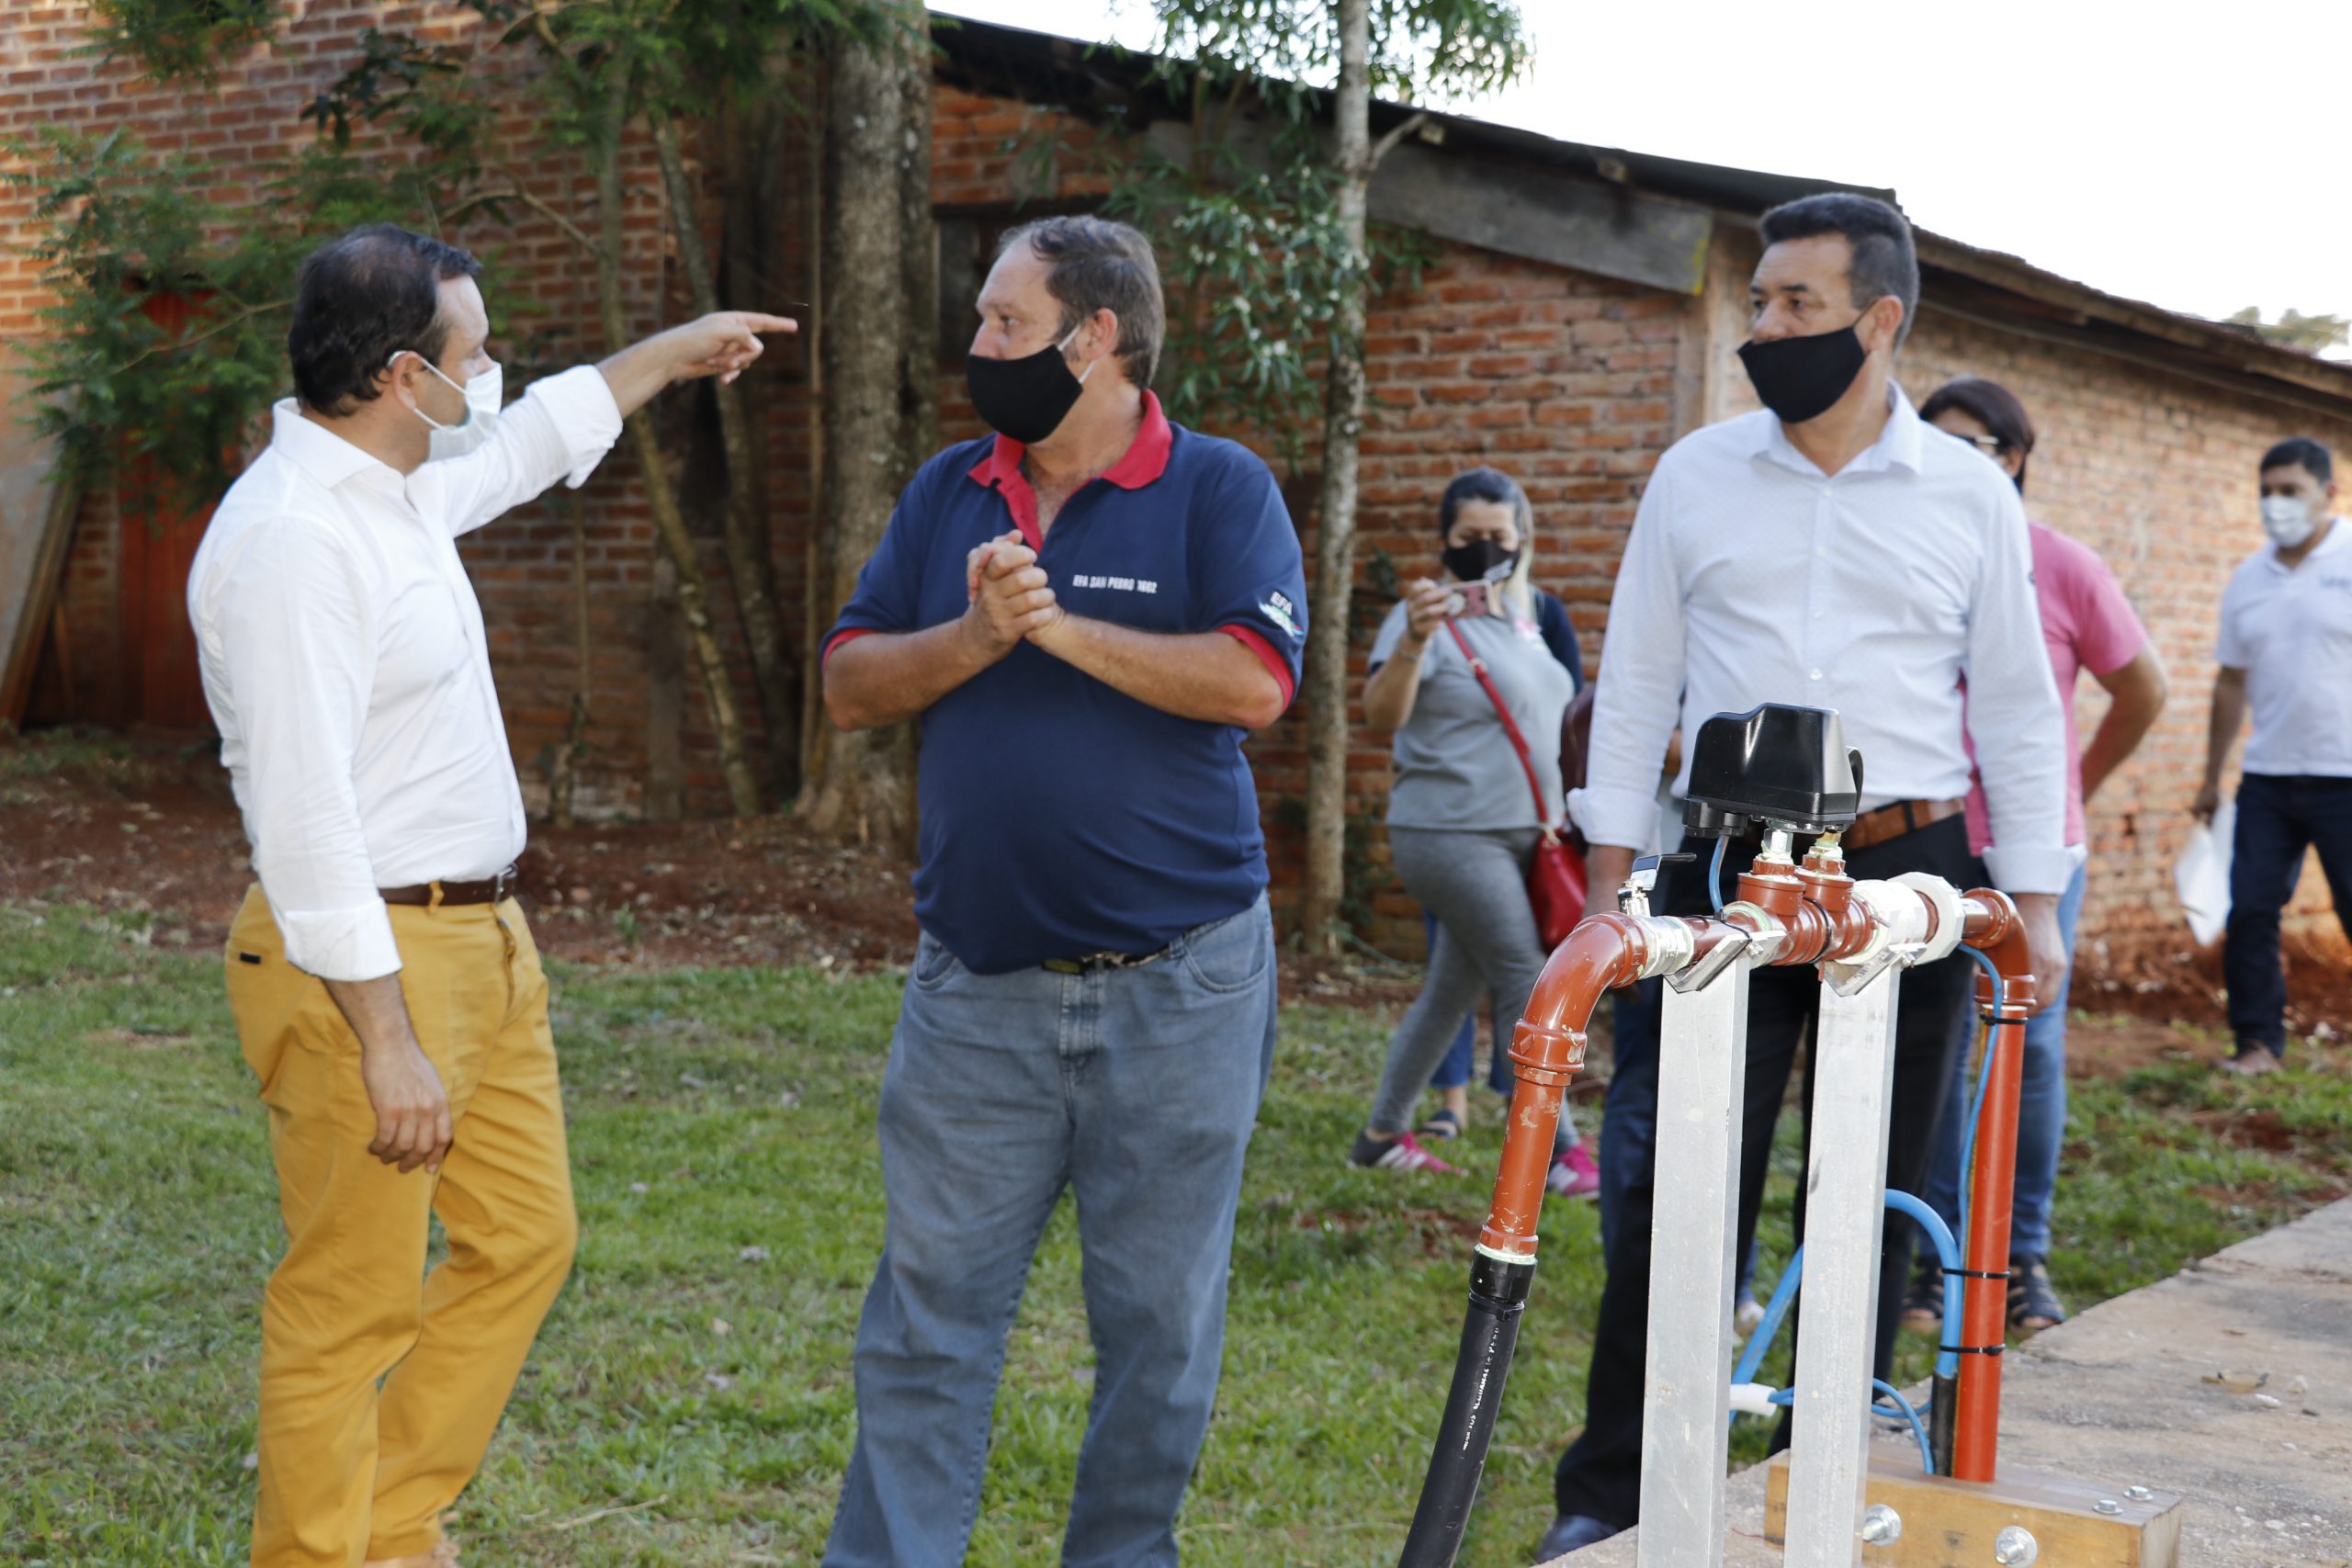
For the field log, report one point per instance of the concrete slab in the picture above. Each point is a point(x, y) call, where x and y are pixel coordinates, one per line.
point(2121, 1393)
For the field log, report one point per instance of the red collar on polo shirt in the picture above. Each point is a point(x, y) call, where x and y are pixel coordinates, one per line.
point(1146, 460)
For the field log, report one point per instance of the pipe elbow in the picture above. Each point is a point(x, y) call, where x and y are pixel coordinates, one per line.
point(1603, 952)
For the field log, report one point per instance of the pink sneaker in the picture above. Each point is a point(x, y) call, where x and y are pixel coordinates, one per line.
point(1403, 1152)
point(1574, 1175)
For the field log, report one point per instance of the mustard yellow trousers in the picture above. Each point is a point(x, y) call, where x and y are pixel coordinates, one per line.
point(380, 1383)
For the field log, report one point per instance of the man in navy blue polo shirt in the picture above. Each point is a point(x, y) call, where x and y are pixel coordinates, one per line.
point(1086, 612)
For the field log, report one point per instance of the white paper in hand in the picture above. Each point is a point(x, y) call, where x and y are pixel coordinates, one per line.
point(2201, 875)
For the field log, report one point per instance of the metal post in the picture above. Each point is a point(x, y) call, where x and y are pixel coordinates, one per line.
point(1853, 1079)
point(1702, 1067)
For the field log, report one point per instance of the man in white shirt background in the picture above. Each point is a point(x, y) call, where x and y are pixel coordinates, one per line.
point(2286, 655)
point(1834, 551)
point(385, 985)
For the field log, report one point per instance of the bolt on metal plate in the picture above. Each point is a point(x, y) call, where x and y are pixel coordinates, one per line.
point(2138, 1493)
point(2015, 1547)
point(2106, 1505)
point(1881, 1526)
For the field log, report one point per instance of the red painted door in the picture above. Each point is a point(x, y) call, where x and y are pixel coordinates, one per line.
point(157, 651)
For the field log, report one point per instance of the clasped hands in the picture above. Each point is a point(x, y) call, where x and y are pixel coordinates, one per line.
point(1009, 596)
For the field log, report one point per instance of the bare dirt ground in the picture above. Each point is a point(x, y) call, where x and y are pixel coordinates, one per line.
point(147, 824)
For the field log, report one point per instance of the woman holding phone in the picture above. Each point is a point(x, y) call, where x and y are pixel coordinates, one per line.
point(1477, 784)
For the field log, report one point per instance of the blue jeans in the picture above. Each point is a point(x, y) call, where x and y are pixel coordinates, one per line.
point(2279, 816)
point(1135, 1089)
point(2042, 1109)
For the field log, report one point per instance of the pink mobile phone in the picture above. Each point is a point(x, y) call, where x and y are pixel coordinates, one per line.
point(1473, 596)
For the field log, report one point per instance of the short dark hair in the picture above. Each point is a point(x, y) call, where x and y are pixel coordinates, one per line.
point(1484, 484)
point(360, 300)
point(1991, 406)
point(1096, 263)
point(1884, 259)
point(2314, 458)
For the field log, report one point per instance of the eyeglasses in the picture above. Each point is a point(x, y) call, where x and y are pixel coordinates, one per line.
point(1988, 444)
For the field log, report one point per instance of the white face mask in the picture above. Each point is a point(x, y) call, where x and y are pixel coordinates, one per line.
point(484, 394)
point(2288, 520)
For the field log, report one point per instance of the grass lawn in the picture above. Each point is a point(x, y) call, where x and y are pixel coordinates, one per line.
point(689, 1400)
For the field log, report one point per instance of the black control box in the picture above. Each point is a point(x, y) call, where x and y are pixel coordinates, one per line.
point(1776, 765)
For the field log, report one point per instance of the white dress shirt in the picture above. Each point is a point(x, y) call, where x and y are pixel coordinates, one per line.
point(2292, 633)
point(346, 665)
point(1753, 577)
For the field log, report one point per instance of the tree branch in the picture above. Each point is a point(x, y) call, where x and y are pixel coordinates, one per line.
point(193, 338)
point(572, 230)
point(1395, 134)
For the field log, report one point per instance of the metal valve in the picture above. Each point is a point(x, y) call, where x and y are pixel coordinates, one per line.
point(2015, 1547)
point(1634, 892)
point(1881, 1526)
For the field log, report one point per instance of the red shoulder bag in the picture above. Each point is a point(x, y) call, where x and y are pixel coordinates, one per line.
point(1556, 877)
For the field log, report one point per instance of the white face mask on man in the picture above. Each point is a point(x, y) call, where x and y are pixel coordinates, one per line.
point(484, 394)
point(2288, 520)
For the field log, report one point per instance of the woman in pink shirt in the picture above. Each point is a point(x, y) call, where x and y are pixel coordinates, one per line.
point(2087, 625)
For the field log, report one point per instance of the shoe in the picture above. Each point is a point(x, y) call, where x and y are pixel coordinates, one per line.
point(1572, 1532)
point(1746, 1312)
point(2033, 1304)
point(1923, 1304)
point(1573, 1175)
point(2253, 1060)
point(1403, 1152)
point(1444, 1127)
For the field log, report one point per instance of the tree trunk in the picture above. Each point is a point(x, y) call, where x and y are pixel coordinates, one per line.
point(564, 775)
point(1335, 545)
point(866, 786)
point(669, 521)
point(751, 560)
point(919, 267)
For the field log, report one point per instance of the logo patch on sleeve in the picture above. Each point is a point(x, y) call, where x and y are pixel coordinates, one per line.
point(1278, 609)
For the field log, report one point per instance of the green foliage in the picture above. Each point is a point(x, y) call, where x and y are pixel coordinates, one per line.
point(167, 339)
point(2312, 334)
point(1254, 268)
point(1254, 256)
point(1420, 49)
point(180, 39)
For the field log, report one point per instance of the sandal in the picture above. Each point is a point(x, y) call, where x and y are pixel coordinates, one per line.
point(2033, 1303)
point(1445, 1124)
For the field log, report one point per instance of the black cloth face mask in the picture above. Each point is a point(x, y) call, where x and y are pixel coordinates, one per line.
point(1025, 399)
point(1477, 559)
point(1800, 377)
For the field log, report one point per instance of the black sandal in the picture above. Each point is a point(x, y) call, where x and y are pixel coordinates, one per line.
point(2033, 1301)
point(1444, 1125)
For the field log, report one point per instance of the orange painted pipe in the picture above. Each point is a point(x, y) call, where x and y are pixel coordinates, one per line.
point(1546, 1049)
point(1993, 928)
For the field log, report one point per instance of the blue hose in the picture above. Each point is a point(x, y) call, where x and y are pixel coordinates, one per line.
point(1904, 1407)
point(1715, 878)
point(1751, 1355)
point(1948, 1253)
point(1904, 1411)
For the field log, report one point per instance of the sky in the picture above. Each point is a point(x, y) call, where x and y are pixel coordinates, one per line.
point(2179, 154)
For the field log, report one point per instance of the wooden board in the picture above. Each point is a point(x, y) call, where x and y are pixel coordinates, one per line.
point(1951, 1524)
point(35, 526)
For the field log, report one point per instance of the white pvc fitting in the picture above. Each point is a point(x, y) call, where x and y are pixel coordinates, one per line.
point(1951, 924)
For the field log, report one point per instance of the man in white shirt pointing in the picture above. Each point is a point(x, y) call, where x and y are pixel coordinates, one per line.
point(1830, 550)
point(386, 988)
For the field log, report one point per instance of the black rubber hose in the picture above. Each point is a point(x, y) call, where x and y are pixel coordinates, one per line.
point(1489, 1332)
point(1942, 1420)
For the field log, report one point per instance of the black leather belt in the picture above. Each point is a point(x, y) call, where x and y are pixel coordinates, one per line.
point(490, 890)
point(1090, 962)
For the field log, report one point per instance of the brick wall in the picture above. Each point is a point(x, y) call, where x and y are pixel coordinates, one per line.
point(1572, 383)
point(2156, 472)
